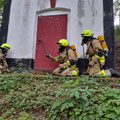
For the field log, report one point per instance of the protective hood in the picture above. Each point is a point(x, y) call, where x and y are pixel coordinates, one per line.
point(61, 48)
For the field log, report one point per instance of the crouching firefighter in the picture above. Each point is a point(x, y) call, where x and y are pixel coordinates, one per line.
point(3, 53)
point(67, 59)
point(96, 56)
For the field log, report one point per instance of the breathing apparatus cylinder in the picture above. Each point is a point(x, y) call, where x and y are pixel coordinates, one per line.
point(74, 49)
point(103, 43)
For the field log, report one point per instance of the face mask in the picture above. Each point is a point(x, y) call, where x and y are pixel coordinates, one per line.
point(61, 48)
point(5, 51)
point(85, 39)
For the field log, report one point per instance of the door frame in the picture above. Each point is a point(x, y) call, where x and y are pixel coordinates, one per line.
point(47, 12)
point(50, 29)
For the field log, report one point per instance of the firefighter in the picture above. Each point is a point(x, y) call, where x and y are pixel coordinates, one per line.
point(96, 56)
point(3, 53)
point(66, 57)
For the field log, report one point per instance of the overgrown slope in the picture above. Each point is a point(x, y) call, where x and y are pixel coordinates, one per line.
point(47, 98)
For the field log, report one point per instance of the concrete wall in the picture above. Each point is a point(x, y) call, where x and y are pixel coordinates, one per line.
point(82, 14)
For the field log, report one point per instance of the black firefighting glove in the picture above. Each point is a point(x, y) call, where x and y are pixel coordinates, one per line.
point(106, 53)
point(100, 52)
point(48, 55)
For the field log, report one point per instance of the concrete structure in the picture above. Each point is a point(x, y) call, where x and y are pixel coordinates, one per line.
point(26, 26)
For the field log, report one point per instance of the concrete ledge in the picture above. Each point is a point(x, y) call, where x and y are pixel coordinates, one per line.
point(52, 9)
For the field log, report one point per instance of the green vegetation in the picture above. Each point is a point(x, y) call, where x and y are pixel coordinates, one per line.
point(116, 6)
point(25, 97)
point(1, 9)
point(117, 34)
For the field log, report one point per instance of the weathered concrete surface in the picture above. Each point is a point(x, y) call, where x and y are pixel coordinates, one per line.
point(23, 19)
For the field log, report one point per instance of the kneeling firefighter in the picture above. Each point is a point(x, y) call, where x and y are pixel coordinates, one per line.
point(3, 53)
point(96, 56)
point(67, 59)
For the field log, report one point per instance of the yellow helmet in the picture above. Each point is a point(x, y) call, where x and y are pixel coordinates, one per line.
point(87, 33)
point(5, 46)
point(63, 42)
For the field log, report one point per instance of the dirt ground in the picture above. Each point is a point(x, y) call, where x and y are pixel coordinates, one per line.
point(117, 56)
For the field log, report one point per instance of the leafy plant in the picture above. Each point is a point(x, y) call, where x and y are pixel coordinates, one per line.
point(81, 98)
point(1, 10)
point(20, 68)
point(117, 34)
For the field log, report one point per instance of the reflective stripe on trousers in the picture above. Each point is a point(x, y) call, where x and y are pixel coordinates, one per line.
point(73, 73)
point(103, 73)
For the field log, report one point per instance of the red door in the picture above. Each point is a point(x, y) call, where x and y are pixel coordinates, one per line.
point(50, 29)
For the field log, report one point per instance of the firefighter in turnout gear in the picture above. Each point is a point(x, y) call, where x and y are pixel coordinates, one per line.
point(96, 56)
point(3, 53)
point(66, 58)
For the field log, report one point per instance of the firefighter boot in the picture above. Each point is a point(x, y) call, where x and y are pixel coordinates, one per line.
point(114, 73)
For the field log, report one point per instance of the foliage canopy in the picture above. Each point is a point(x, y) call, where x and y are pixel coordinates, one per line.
point(1, 9)
point(116, 6)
